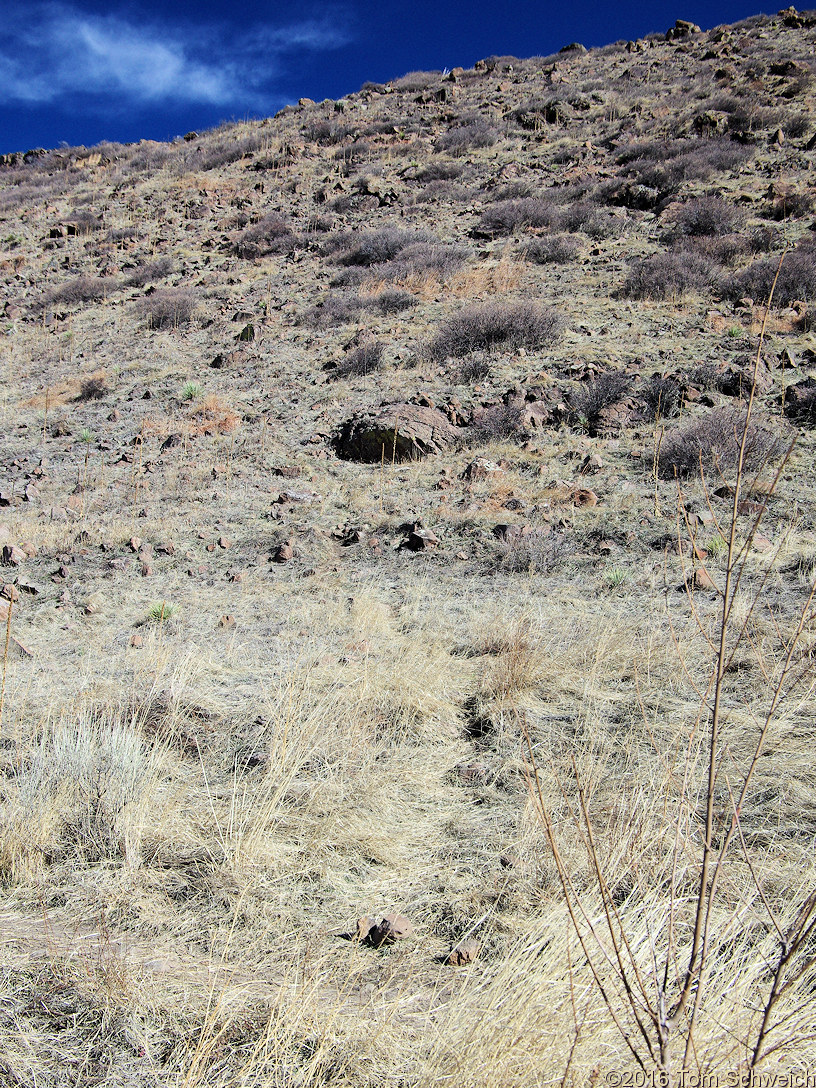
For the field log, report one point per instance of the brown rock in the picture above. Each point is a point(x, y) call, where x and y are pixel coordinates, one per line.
point(12, 555)
point(391, 928)
point(297, 498)
point(135, 544)
point(419, 540)
point(465, 952)
point(136, 641)
point(761, 543)
point(582, 496)
point(283, 553)
point(224, 542)
point(481, 469)
point(364, 926)
point(703, 580)
point(227, 621)
point(402, 432)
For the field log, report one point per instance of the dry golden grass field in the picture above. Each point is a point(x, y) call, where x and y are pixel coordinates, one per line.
point(407, 507)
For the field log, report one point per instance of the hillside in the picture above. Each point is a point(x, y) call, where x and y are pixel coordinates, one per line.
point(367, 510)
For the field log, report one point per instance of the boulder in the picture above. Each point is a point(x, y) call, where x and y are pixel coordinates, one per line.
point(402, 432)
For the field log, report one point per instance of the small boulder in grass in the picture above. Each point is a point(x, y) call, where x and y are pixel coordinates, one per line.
point(388, 930)
point(283, 552)
point(465, 952)
point(704, 581)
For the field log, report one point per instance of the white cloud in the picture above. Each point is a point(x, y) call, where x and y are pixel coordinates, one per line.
point(54, 51)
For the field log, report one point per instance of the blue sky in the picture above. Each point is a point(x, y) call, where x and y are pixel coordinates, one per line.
point(82, 71)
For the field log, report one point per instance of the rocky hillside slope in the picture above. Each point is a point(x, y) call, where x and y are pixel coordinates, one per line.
point(353, 459)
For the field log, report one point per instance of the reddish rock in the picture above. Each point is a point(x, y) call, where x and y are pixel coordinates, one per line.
point(582, 496)
point(13, 556)
point(10, 592)
point(389, 930)
point(136, 641)
point(703, 580)
point(283, 553)
point(224, 542)
point(465, 952)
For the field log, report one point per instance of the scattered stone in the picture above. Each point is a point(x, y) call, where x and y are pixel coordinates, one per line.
point(481, 469)
point(13, 555)
point(167, 548)
point(511, 533)
point(288, 472)
point(224, 542)
point(761, 544)
point(465, 952)
point(297, 498)
point(145, 570)
point(283, 553)
point(227, 621)
point(591, 463)
point(582, 496)
point(135, 543)
point(472, 774)
point(10, 592)
point(364, 926)
point(136, 641)
point(703, 580)
point(390, 929)
point(420, 540)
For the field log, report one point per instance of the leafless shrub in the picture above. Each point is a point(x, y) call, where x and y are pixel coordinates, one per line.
point(361, 361)
point(439, 171)
point(498, 423)
point(662, 398)
point(703, 217)
point(373, 247)
point(588, 401)
point(272, 234)
point(149, 273)
point(393, 301)
point(536, 552)
point(668, 275)
point(507, 216)
point(85, 222)
point(326, 132)
point(94, 387)
point(466, 137)
point(796, 281)
point(496, 326)
point(791, 205)
point(168, 309)
point(78, 290)
point(554, 249)
point(712, 442)
point(416, 81)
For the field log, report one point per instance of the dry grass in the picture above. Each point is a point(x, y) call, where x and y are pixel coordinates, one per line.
point(213, 763)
